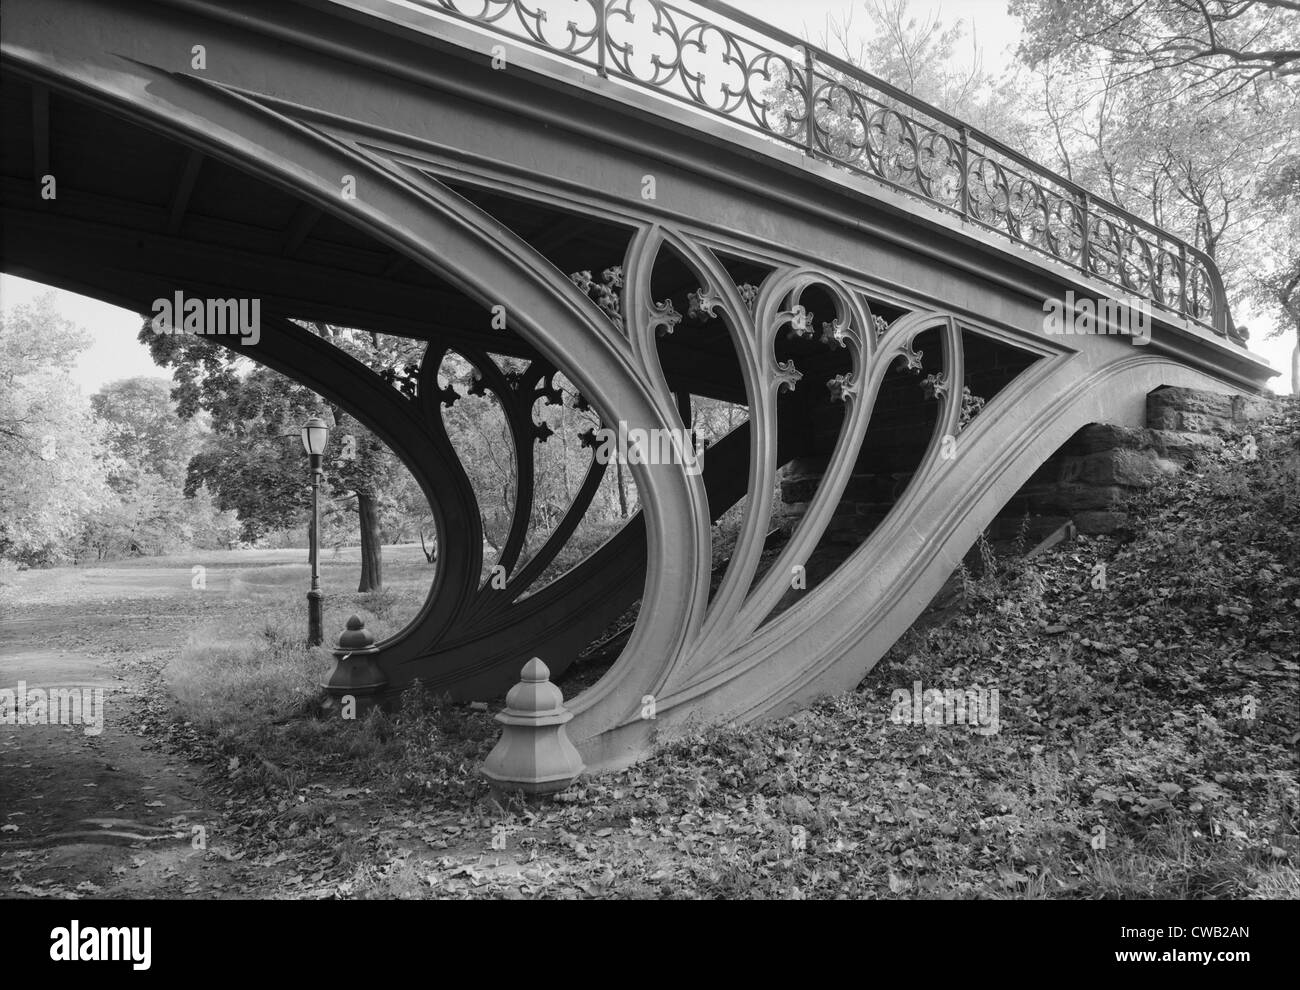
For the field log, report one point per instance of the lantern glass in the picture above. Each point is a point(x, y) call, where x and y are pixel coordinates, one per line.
point(315, 435)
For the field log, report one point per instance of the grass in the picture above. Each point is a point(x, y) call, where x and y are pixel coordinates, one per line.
point(251, 666)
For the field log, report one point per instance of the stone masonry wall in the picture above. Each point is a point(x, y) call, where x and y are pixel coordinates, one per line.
point(1102, 464)
point(1084, 482)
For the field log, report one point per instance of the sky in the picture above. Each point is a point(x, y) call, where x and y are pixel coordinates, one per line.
point(116, 354)
point(995, 29)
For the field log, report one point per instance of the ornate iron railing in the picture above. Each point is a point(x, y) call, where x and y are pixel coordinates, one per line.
point(766, 80)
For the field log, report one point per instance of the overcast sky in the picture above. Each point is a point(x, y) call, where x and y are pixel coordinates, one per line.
point(995, 29)
point(116, 353)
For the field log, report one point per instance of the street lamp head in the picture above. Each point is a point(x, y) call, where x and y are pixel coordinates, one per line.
point(315, 435)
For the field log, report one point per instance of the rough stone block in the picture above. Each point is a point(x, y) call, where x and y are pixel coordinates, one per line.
point(1097, 437)
point(1070, 469)
point(868, 487)
point(1193, 411)
point(796, 490)
point(1164, 419)
point(1008, 527)
point(1069, 498)
point(1192, 422)
point(1131, 468)
point(807, 467)
point(1098, 523)
point(1182, 447)
point(1248, 408)
point(1190, 400)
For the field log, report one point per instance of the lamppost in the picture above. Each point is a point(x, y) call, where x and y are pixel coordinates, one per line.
point(315, 435)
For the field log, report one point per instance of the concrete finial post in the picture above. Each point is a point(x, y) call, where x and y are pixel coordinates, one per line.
point(534, 754)
point(356, 673)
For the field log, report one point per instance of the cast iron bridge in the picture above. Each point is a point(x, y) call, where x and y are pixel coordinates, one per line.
point(764, 223)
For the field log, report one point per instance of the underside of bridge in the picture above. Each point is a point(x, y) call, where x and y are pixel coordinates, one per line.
point(346, 165)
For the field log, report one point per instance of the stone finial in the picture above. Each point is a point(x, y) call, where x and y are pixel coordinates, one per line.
point(534, 754)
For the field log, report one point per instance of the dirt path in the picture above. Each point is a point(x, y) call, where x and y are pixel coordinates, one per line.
point(102, 810)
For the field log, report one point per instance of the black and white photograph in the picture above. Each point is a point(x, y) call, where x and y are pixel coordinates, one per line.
point(649, 450)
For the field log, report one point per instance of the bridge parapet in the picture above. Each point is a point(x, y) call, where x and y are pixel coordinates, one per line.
point(731, 66)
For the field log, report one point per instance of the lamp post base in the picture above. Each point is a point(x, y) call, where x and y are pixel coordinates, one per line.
point(315, 618)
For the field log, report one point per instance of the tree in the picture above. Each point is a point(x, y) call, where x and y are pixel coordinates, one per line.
point(252, 462)
point(1186, 113)
point(144, 429)
point(1192, 169)
point(1218, 46)
point(920, 55)
point(151, 513)
point(56, 467)
point(857, 123)
point(410, 517)
point(1277, 284)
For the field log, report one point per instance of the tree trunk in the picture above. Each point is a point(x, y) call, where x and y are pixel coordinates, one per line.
point(372, 560)
point(622, 489)
point(564, 459)
point(1295, 368)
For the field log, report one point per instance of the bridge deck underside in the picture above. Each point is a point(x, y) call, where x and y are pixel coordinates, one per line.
point(137, 216)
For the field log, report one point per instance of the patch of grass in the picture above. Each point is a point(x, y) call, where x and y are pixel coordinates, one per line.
point(252, 668)
point(227, 679)
point(250, 582)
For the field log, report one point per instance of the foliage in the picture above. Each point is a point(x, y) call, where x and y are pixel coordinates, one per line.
point(56, 464)
point(1276, 282)
point(1185, 114)
point(150, 514)
point(144, 431)
point(921, 55)
point(1221, 46)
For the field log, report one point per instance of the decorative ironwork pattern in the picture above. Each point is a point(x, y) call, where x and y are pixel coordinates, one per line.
point(763, 79)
